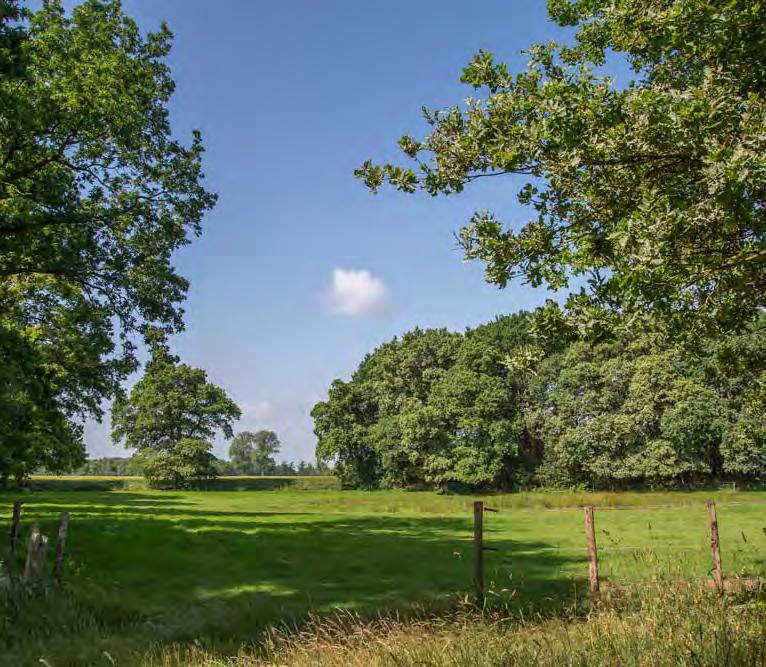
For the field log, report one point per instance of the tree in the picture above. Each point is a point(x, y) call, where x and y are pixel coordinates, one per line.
point(651, 195)
point(475, 421)
point(170, 416)
point(368, 425)
point(341, 425)
point(110, 465)
point(744, 445)
point(189, 461)
point(634, 412)
point(95, 196)
point(265, 446)
point(253, 453)
point(241, 452)
point(432, 408)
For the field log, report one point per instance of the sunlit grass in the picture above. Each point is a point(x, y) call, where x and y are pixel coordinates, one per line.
point(149, 569)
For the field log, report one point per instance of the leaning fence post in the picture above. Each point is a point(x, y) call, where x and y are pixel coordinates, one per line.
point(58, 565)
point(37, 547)
point(715, 546)
point(15, 529)
point(590, 536)
point(478, 541)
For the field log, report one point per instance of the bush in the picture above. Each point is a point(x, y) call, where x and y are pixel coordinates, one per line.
point(190, 462)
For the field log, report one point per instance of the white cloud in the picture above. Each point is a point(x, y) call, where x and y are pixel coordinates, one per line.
point(259, 409)
point(357, 292)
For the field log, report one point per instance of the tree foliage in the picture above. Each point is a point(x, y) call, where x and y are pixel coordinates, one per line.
point(33, 430)
point(281, 469)
point(110, 466)
point(618, 412)
point(241, 452)
point(266, 446)
point(170, 416)
point(652, 194)
point(433, 407)
point(437, 408)
point(189, 461)
point(253, 453)
point(95, 196)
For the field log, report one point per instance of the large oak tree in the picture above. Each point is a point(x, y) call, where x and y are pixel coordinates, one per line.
point(95, 196)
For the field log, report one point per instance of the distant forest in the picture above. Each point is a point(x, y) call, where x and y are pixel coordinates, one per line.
point(505, 406)
point(122, 466)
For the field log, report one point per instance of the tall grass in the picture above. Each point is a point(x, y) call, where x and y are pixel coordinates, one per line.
point(662, 625)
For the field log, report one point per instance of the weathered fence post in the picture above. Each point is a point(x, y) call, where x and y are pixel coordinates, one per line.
point(590, 536)
point(15, 529)
point(37, 547)
point(715, 546)
point(58, 565)
point(478, 541)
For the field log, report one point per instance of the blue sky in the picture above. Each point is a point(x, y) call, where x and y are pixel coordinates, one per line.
point(290, 97)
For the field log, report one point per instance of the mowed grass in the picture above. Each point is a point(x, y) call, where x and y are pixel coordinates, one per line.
point(150, 569)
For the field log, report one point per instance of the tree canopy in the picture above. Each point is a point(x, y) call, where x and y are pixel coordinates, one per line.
point(437, 408)
point(651, 194)
point(430, 408)
point(95, 196)
point(253, 453)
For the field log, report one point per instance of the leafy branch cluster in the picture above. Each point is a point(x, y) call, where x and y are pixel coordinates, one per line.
point(651, 194)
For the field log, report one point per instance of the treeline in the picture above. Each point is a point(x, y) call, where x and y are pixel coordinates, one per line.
point(110, 466)
point(495, 408)
point(250, 453)
point(254, 453)
point(115, 466)
point(283, 469)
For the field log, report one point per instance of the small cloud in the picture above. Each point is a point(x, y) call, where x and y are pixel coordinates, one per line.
point(357, 292)
point(260, 409)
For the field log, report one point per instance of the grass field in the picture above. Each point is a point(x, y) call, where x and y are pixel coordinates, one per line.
point(149, 569)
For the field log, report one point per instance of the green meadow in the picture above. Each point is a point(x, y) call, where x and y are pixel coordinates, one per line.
point(147, 570)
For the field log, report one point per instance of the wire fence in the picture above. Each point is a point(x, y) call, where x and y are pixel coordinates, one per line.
point(630, 543)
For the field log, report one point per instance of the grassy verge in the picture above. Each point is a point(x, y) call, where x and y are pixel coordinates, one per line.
point(658, 626)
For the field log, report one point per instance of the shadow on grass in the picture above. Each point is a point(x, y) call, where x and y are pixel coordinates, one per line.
point(221, 577)
point(80, 484)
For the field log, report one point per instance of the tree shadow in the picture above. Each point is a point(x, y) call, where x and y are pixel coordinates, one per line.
point(81, 483)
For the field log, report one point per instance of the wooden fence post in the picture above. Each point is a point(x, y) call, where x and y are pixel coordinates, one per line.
point(715, 546)
point(478, 541)
point(58, 565)
point(15, 529)
point(590, 536)
point(37, 547)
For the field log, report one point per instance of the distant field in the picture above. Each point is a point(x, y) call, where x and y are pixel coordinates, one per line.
point(147, 569)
